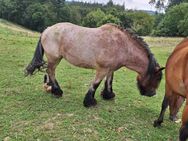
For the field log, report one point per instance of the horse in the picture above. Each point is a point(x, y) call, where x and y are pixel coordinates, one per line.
point(176, 87)
point(104, 49)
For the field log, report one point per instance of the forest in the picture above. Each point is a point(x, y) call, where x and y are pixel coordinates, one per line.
point(39, 14)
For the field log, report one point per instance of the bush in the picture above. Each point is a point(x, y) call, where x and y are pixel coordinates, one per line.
point(142, 23)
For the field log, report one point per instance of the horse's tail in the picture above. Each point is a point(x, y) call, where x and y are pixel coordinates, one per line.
point(37, 61)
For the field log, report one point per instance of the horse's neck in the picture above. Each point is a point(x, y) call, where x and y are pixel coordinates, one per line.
point(137, 59)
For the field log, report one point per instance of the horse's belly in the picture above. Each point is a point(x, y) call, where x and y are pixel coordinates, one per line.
point(80, 62)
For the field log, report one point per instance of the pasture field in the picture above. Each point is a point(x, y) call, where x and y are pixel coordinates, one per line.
point(27, 113)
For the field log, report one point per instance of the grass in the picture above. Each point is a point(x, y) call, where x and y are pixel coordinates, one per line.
point(27, 113)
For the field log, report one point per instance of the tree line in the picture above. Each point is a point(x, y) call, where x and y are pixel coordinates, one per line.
point(39, 14)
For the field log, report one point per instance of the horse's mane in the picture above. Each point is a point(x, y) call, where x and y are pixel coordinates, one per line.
point(140, 41)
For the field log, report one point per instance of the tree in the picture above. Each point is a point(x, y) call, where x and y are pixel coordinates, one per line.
point(93, 19)
point(174, 22)
point(34, 16)
point(159, 4)
point(109, 19)
point(110, 3)
point(142, 23)
point(183, 26)
point(126, 20)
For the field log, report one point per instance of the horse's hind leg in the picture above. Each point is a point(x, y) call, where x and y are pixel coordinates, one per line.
point(107, 92)
point(184, 127)
point(163, 109)
point(47, 83)
point(175, 103)
point(89, 99)
point(55, 88)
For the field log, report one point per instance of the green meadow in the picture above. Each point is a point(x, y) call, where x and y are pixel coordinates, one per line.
point(28, 113)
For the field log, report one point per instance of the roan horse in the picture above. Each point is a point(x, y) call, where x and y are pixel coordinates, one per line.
point(105, 49)
point(176, 89)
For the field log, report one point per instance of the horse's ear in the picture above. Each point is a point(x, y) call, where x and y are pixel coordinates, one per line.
point(160, 69)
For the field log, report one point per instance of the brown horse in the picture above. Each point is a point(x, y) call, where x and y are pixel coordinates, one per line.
point(176, 89)
point(104, 49)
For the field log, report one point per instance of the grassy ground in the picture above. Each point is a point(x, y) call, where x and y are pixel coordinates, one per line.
point(27, 113)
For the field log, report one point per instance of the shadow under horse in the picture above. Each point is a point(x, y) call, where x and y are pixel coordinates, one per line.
point(176, 88)
point(105, 49)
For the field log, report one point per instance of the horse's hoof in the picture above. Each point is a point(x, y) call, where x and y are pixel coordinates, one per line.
point(57, 96)
point(107, 95)
point(90, 103)
point(173, 118)
point(157, 123)
point(57, 93)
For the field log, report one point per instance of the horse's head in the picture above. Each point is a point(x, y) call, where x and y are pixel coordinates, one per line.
point(148, 83)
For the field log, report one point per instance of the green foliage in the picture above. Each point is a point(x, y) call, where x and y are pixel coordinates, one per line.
point(175, 22)
point(98, 18)
point(183, 26)
point(159, 4)
point(142, 22)
point(94, 18)
point(110, 3)
point(110, 19)
point(34, 15)
point(126, 20)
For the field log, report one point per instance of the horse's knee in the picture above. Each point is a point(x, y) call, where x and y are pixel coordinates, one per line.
point(184, 133)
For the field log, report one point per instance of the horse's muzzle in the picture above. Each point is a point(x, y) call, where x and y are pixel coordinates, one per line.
point(149, 93)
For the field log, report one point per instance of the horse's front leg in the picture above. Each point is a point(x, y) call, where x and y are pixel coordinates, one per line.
point(107, 92)
point(164, 105)
point(89, 99)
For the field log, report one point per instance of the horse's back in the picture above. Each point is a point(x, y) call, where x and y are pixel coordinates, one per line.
point(64, 40)
point(85, 47)
point(177, 68)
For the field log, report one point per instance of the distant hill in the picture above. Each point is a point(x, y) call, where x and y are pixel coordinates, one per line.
point(149, 12)
point(11, 27)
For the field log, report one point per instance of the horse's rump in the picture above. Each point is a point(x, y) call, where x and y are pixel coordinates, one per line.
point(177, 68)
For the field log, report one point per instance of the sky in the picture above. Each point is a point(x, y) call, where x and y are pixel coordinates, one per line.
point(129, 4)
